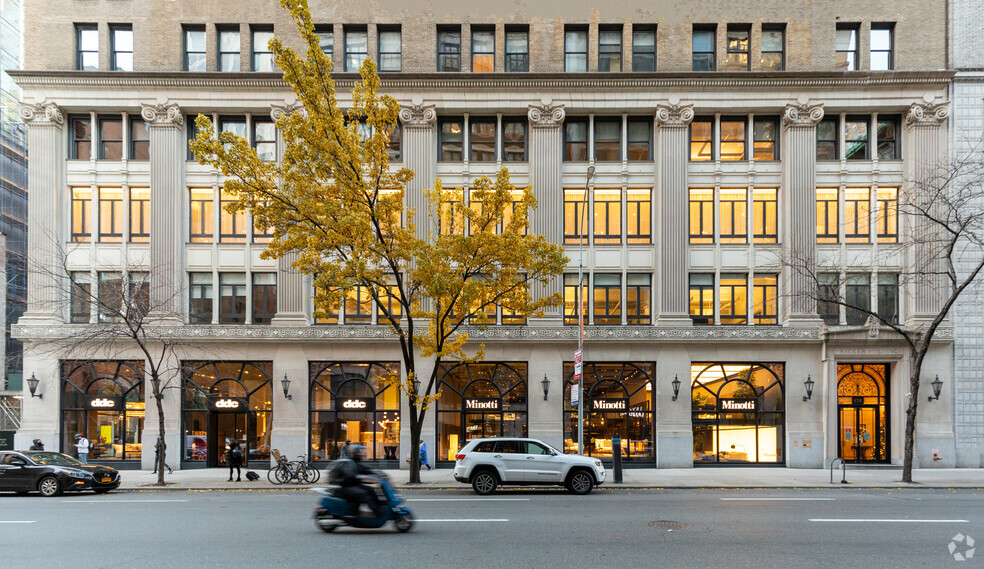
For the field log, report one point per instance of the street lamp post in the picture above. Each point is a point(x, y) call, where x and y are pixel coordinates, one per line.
point(580, 314)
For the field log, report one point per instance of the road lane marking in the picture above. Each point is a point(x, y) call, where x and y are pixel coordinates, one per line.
point(778, 499)
point(875, 521)
point(466, 520)
point(117, 501)
point(468, 499)
point(16, 522)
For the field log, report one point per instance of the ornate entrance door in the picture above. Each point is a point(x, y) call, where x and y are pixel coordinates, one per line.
point(862, 423)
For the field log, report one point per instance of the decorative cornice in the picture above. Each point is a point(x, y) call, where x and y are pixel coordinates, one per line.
point(802, 114)
point(546, 114)
point(673, 114)
point(927, 113)
point(42, 114)
point(418, 115)
point(162, 114)
point(278, 110)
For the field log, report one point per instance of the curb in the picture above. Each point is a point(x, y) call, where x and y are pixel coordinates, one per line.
point(404, 487)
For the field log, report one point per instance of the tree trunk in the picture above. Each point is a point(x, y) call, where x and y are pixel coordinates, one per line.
point(910, 414)
point(415, 428)
point(155, 382)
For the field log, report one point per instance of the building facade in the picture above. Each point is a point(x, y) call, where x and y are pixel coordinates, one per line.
point(721, 142)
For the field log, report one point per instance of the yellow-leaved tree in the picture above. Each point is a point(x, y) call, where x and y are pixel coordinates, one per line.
point(336, 206)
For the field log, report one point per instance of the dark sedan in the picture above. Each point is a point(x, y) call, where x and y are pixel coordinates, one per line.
point(52, 473)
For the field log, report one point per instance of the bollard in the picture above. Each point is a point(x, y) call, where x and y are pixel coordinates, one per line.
point(617, 459)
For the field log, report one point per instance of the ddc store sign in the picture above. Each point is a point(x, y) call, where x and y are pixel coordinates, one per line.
point(222, 404)
point(356, 404)
point(103, 403)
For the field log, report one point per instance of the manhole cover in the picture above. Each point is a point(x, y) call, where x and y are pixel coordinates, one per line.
point(666, 524)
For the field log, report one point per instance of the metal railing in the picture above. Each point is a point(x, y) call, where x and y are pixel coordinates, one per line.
point(833, 463)
point(9, 414)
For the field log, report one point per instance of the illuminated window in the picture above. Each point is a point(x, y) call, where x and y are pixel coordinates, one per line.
point(570, 298)
point(638, 205)
point(733, 208)
point(511, 209)
point(827, 213)
point(765, 299)
point(451, 222)
point(888, 215)
point(483, 49)
point(732, 139)
point(607, 217)
point(81, 215)
point(201, 215)
point(702, 298)
point(765, 139)
point(139, 215)
point(856, 215)
point(575, 220)
point(701, 215)
point(110, 215)
point(358, 305)
point(637, 298)
point(734, 298)
point(764, 216)
point(737, 54)
point(610, 49)
point(232, 226)
point(702, 140)
point(607, 299)
point(389, 304)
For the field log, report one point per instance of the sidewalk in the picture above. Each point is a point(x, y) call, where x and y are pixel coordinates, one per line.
point(216, 479)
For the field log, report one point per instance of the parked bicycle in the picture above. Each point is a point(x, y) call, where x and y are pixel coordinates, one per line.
point(293, 471)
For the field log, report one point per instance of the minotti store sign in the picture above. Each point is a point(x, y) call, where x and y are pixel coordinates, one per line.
point(483, 404)
point(356, 404)
point(608, 405)
point(227, 404)
point(737, 405)
point(103, 403)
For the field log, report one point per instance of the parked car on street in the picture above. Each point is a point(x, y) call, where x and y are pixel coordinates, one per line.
point(52, 473)
point(489, 463)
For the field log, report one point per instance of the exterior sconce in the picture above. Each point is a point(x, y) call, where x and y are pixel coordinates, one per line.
point(937, 386)
point(32, 384)
point(809, 388)
point(546, 386)
point(416, 387)
point(286, 384)
point(676, 386)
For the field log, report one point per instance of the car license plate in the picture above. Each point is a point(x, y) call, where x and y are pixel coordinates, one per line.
point(105, 480)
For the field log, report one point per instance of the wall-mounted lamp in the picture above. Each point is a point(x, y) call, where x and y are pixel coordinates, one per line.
point(546, 386)
point(416, 387)
point(676, 386)
point(809, 388)
point(937, 386)
point(286, 384)
point(32, 384)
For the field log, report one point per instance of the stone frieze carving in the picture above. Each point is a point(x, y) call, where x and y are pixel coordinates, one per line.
point(802, 114)
point(43, 113)
point(418, 115)
point(927, 113)
point(674, 114)
point(162, 114)
point(546, 115)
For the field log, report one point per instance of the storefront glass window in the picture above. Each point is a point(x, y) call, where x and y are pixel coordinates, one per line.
point(479, 400)
point(356, 401)
point(862, 414)
point(225, 402)
point(738, 412)
point(618, 403)
point(104, 402)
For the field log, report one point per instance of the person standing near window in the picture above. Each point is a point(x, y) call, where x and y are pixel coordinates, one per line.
point(82, 447)
point(423, 455)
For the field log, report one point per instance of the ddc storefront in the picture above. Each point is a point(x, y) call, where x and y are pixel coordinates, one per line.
point(358, 401)
point(104, 401)
point(226, 401)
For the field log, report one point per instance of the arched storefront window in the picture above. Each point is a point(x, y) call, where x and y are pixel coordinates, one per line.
point(479, 400)
point(738, 412)
point(618, 403)
point(104, 401)
point(224, 402)
point(356, 401)
point(862, 413)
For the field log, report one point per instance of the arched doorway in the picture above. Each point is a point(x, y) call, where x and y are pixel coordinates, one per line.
point(862, 416)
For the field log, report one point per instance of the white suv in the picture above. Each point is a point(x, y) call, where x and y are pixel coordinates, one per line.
point(488, 463)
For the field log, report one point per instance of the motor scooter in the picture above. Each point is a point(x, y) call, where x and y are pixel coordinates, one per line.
point(333, 512)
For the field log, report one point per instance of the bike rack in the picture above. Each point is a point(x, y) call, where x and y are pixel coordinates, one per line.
point(833, 463)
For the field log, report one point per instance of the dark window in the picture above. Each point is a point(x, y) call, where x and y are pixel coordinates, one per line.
point(575, 49)
point(766, 141)
point(702, 140)
point(484, 446)
point(86, 47)
point(734, 298)
point(857, 298)
point(827, 140)
point(514, 140)
point(121, 48)
point(517, 49)
point(264, 297)
point(139, 215)
point(608, 138)
point(110, 215)
point(483, 49)
point(732, 139)
point(733, 206)
point(607, 299)
point(888, 138)
point(571, 293)
point(232, 298)
point(643, 48)
point(773, 47)
point(265, 139)
point(192, 133)
point(827, 215)
point(326, 38)
point(233, 125)
point(394, 148)
point(81, 138)
point(200, 298)
point(194, 48)
point(856, 138)
point(449, 48)
point(451, 141)
point(610, 49)
point(846, 46)
point(703, 48)
point(138, 294)
point(640, 137)
point(390, 48)
point(882, 47)
point(702, 298)
point(510, 447)
point(765, 299)
point(111, 138)
point(139, 140)
point(576, 140)
point(81, 298)
point(482, 140)
point(229, 48)
point(637, 296)
point(259, 41)
point(888, 297)
point(356, 47)
point(737, 50)
point(828, 292)
point(110, 296)
point(701, 215)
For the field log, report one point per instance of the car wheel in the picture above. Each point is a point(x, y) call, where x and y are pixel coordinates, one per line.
point(404, 523)
point(580, 483)
point(484, 482)
point(49, 487)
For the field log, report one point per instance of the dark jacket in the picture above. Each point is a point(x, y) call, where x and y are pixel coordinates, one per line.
point(37, 445)
point(234, 456)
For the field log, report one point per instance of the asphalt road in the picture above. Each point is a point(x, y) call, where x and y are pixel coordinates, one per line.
point(850, 528)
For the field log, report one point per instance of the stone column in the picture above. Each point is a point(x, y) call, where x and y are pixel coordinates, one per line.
point(47, 205)
point(419, 121)
point(924, 160)
point(672, 143)
point(799, 231)
point(291, 292)
point(546, 152)
point(167, 179)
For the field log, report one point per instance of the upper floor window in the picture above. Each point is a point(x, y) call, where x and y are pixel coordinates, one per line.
point(638, 289)
point(110, 215)
point(639, 213)
point(264, 297)
point(394, 149)
point(81, 141)
point(827, 215)
point(260, 42)
point(764, 215)
point(737, 53)
point(882, 47)
point(229, 48)
point(194, 48)
point(702, 140)
point(827, 148)
point(139, 140)
point(121, 49)
point(607, 295)
point(574, 297)
point(86, 47)
point(139, 215)
point(482, 140)
point(643, 48)
point(888, 215)
point(607, 216)
point(517, 49)
point(733, 305)
point(888, 297)
point(232, 226)
point(575, 220)
point(576, 140)
point(640, 137)
point(451, 140)
point(856, 138)
point(703, 48)
point(201, 222)
point(483, 49)
point(81, 298)
point(607, 140)
point(846, 46)
point(110, 296)
point(857, 297)
point(449, 48)
point(733, 206)
point(732, 139)
point(773, 47)
point(390, 48)
point(701, 215)
point(232, 298)
point(765, 139)
point(111, 138)
point(828, 293)
point(575, 49)
point(356, 47)
point(610, 48)
point(765, 299)
point(265, 139)
point(514, 134)
point(326, 38)
point(358, 305)
point(81, 215)
point(200, 298)
point(702, 298)
point(888, 138)
point(857, 215)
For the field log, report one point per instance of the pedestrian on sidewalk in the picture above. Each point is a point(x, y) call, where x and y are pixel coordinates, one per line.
point(82, 448)
point(234, 458)
point(345, 451)
point(423, 455)
point(37, 445)
point(158, 447)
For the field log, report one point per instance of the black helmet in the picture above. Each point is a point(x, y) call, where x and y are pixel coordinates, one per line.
point(357, 452)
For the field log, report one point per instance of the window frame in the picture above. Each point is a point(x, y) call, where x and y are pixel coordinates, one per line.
point(644, 29)
point(201, 287)
point(850, 144)
point(610, 30)
point(568, 141)
point(482, 30)
point(766, 213)
point(705, 231)
point(526, 135)
point(763, 284)
point(887, 224)
point(101, 121)
point(607, 143)
point(234, 316)
point(321, 30)
point(703, 291)
point(741, 122)
point(81, 214)
point(580, 223)
point(206, 216)
point(612, 296)
point(733, 50)
point(449, 52)
point(389, 29)
point(111, 215)
point(256, 55)
point(643, 294)
point(256, 143)
point(774, 141)
point(708, 142)
point(835, 140)
point(264, 294)
point(857, 216)
point(442, 139)
point(854, 289)
point(82, 30)
point(636, 142)
point(80, 299)
point(703, 29)
point(602, 233)
point(571, 288)
point(569, 30)
point(826, 236)
point(888, 282)
point(222, 57)
point(75, 141)
point(851, 60)
point(896, 122)
point(238, 221)
point(643, 216)
point(888, 27)
point(523, 29)
point(828, 297)
point(135, 142)
point(736, 285)
point(487, 122)
point(348, 30)
point(737, 213)
point(139, 215)
point(363, 303)
point(187, 29)
point(114, 51)
point(773, 28)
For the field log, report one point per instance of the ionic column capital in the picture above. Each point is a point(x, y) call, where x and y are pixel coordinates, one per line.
point(927, 113)
point(417, 114)
point(277, 110)
point(673, 114)
point(546, 114)
point(42, 114)
point(162, 114)
point(802, 114)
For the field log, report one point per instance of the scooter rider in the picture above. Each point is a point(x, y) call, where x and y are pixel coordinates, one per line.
point(353, 487)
